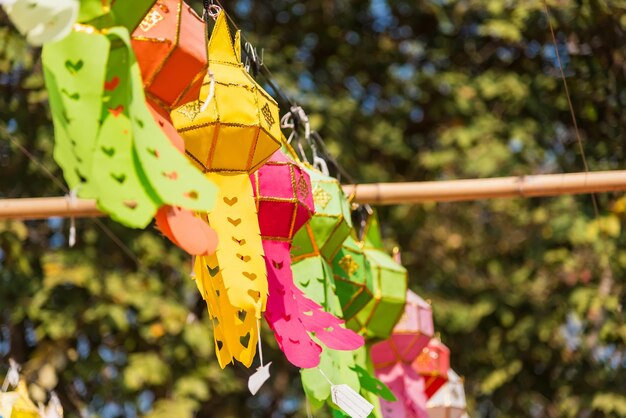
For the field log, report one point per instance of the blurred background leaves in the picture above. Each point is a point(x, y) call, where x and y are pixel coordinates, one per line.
point(528, 293)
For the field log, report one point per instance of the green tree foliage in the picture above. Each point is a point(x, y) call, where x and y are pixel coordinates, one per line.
point(527, 293)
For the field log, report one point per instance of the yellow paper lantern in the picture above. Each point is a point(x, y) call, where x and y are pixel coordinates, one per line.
point(234, 126)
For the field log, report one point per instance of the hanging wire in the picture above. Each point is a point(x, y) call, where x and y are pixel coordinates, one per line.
point(606, 280)
point(287, 102)
point(570, 104)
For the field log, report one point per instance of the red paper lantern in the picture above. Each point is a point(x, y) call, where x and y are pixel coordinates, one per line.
point(171, 51)
point(433, 363)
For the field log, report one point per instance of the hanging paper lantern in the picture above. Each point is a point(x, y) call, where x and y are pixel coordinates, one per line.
point(229, 132)
point(330, 225)
point(171, 51)
point(433, 363)
point(96, 98)
point(353, 278)
point(410, 335)
point(285, 204)
point(449, 400)
point(239, 128)
point(389, 286)
point(43, 20)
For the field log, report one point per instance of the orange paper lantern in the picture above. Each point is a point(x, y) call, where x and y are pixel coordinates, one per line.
point(170, 48)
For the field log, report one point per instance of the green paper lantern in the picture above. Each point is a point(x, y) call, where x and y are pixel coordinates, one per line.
point(330, 225)
point(389, 285)
point(353, 278)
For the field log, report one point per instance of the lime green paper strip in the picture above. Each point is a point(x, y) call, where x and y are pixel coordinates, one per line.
point(75, 83)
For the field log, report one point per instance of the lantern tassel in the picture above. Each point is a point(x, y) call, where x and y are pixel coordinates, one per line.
point(292, 315)
point(408, 387)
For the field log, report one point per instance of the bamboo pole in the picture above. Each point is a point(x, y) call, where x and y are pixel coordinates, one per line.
point(378, 193)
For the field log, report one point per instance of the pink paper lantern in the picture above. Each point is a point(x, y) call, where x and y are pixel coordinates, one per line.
point(285, 203)
point(433, 363)
point(283, 197)
point(410, 335)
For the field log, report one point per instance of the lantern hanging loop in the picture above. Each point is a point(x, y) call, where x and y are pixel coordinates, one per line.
point(211, 9)
point(293, 119)
point(254, 62)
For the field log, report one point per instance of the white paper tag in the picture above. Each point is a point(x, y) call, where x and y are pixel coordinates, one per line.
point(257, 379)
point(350, 402)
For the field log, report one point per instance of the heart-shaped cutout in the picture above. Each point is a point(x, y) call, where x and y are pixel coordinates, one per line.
point(74, 66)
point(239, 241)
point(109, 151)
point(112, 85)
point(235, 222)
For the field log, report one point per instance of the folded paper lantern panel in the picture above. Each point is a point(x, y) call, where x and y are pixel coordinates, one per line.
point(283, 197)
point(239, 129)
point(389, 286)
point(331, 224)
point(433, 363)
point(171, 51)
point(353, 278)
point(410, 335)
point(449, 400)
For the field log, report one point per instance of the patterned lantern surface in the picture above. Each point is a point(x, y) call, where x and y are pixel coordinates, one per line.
point(330, 225)
point(433, 363)
point(239, 128)
point(170, 48)
point(389, 280)
point(283, 197)
point(449, 400)
point(285, 203)
point(410, 335)
point(353, 278)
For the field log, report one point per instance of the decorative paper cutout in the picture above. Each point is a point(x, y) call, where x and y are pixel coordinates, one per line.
point(186, 230)
point(410, 335)
point(96, 99)
point(171, 51)
point(285, 204)
point(408, 386)
point(353, 278)
point(433, 363)
point(231, 134)
point(233, 280)
point(43, 21)
point(449, 400)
